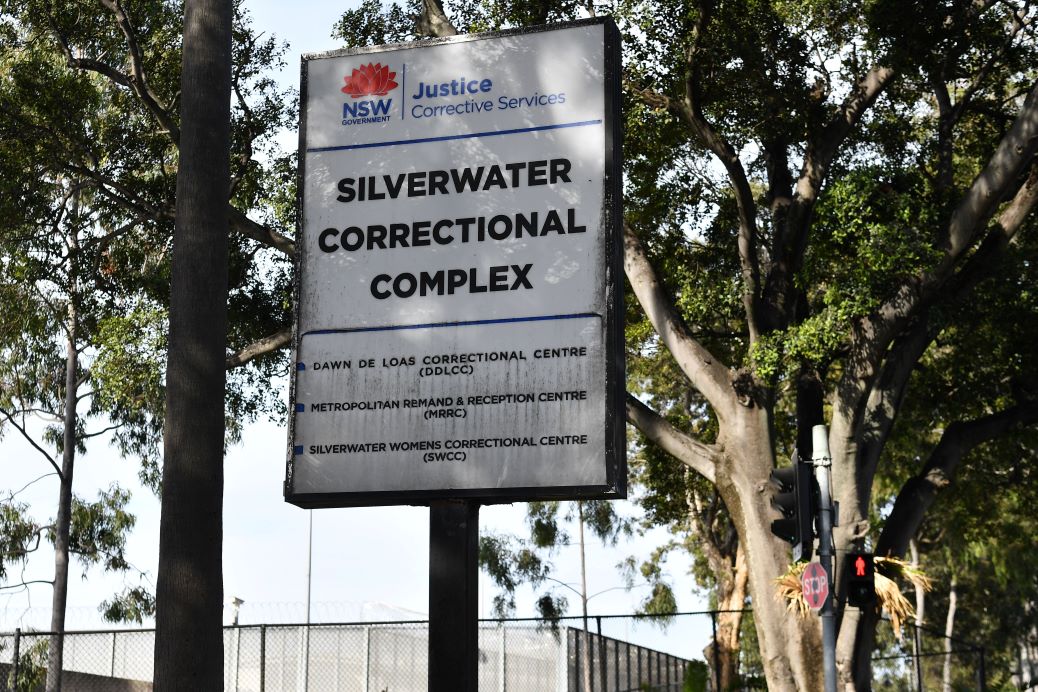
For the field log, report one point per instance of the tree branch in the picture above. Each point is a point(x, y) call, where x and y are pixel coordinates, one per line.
point(261, 234)
point(917, 495)
point(705, 372)
point(31, 441)
point(138, 80)
point(25, 584)
point(691, 109)
point(12, 495)
point(254, 350)
point(1015, 152)
point(433, 21)
point(694, 454)
point(884, 402)
point(1013, 155)
point(792, 236)
point(87, 64)
point(110, 428)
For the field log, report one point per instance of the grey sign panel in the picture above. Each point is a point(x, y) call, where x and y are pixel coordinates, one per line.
point(458, 324)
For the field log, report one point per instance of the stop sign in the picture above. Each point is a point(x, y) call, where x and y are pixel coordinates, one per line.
point(815, 585)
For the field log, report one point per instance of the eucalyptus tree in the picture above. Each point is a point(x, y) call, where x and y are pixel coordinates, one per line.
point(811, 188)
point(188, 625)
point(815, 192)
point(838, 180)
point(89, 96)
point(50, 238)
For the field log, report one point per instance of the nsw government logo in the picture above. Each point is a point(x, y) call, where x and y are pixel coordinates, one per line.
point(367, 81)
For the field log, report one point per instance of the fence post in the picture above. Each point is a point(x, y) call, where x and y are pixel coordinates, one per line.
point(918, 650)
point(639, 653)
point(717, 653)
point(14, 662)
point(263, 658)
point(616, 663)
point(982, 673)
point(578, 659)
point(602, 665)
point(501, 664)
point(113, 655)
point(237, 655)
point(367, 658)
point(628, 648)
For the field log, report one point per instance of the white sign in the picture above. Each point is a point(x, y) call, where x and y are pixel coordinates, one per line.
point(456, 315)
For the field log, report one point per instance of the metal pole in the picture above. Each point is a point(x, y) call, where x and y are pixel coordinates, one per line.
point(453, 596)
point(717, 653)
point(638, 653)
point(14, 663)
point(918, 651)
point(601, 653)
point(628, 647)
point(263, 658)
point(823, 463)
point(237, 656)
point(501, 670)
point(367, 659)
point(306, 628)
point(616, 663)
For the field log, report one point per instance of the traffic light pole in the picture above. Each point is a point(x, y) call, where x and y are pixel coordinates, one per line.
point(823, 464)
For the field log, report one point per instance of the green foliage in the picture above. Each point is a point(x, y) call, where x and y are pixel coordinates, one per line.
point(128, 374)
point(509, 563)
point(89, 104)
point(32, 668)
point(18, 534)
point(131, 605)
point(373, 23)
point(99, 529)
point(512, 561)
point(697, 677)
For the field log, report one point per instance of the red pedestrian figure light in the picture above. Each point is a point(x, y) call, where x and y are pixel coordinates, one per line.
point(861, 575)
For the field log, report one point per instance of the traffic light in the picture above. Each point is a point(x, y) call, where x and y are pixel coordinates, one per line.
point(795, 499)
point(861, 579)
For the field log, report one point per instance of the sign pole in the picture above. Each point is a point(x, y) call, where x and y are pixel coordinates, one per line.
point(453, 596)
point(823, 463)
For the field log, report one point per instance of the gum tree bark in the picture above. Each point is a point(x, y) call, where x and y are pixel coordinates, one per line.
point(189, 636)
point(63, 522)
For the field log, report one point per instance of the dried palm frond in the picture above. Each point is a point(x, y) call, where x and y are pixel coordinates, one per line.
point(790, 590)
point(893, 602)
point(889, 594)
point(905, 570)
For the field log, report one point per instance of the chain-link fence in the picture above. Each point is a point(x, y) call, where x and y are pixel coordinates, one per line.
point(514, 656)
point(113, 661)
point(618, 654)
point(925, 659)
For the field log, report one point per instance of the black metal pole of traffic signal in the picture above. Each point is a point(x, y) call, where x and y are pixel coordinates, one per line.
point(823, 463)
point(453, 596)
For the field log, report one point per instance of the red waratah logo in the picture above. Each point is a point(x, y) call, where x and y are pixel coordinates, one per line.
point(370, 80)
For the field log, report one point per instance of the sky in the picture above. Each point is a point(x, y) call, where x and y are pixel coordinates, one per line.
point(367, 563)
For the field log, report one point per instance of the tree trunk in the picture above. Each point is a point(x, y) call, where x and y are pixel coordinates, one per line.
point(732, 600)
point(63, 522)
point(920, 616)
point(788, 645)
point(189, 593)
point(949, 630)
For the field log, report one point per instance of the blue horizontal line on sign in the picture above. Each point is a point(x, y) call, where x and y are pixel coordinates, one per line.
point(435, 325)
point(471, 135)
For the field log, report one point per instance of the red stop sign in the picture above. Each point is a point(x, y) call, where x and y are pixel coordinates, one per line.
point(815, 585)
